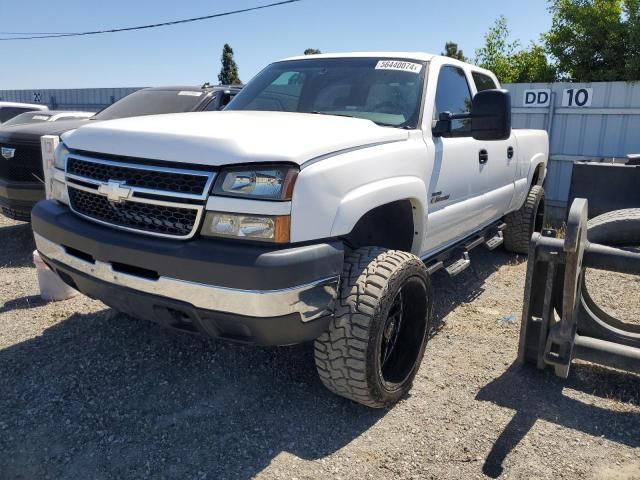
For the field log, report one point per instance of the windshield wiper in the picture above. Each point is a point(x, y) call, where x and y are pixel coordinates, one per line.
point(316, 112)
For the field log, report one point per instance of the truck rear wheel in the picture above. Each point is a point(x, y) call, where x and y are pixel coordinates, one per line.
point(376, 340)
point(522, 223)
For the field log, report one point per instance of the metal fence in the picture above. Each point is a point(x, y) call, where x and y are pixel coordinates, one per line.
point(85, 99)
point(585, 121)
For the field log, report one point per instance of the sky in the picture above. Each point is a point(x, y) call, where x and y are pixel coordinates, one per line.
point(190, 54)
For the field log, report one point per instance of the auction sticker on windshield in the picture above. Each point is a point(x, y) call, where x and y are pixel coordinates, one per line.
point(190, 93)
point(399, 65)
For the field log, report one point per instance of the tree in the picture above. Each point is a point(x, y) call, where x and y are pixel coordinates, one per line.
point(312, 51)
point(451, 50)
point(595, 40)
point(229, 73)
point(508, 61)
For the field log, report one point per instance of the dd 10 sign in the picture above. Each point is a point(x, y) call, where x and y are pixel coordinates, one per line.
point(577, 97)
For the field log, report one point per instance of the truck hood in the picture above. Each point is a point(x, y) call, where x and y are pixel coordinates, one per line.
point(231, 137)
point(31, 133)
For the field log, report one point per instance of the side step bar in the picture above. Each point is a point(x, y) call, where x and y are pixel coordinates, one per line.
point(491, 238)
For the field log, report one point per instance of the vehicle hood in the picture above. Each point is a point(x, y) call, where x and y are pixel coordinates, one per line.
point(230, 137)
point(32, 132)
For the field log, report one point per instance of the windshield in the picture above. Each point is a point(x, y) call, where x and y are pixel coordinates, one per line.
point(29, 117)
point(152, 102)
point(385, 91)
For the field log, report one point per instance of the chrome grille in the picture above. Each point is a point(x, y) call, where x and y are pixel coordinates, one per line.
point(140, 197)
point(149, 217)
point(140, 176)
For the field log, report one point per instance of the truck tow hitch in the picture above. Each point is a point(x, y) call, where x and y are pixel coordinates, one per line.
point(559, 321)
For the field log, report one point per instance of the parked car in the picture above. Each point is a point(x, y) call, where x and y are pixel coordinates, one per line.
point(21, 174)
point(45, 116)
point(8, 110)
point(314, 208)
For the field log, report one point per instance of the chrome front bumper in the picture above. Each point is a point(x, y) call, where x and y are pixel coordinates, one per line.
point(311, 301)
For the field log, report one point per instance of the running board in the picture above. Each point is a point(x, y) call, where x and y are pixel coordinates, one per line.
point(459, 266)
point(494, 242)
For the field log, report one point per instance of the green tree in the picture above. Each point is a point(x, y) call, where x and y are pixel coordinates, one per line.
point(508, 61)
point(591, 40)
point(451, 51)
point(632, 65)
point(229, 73)
point(312, 51)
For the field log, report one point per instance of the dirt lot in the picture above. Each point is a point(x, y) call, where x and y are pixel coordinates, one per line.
point(88, 394)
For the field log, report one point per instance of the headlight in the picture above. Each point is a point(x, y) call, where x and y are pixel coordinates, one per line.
point(260, 183)
point(264, 228)
point(61, 156)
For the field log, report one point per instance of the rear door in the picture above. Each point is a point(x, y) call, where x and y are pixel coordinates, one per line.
point(459, 180)
point(502, 163)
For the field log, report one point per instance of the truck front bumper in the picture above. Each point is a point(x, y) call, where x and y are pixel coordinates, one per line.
point(244, 292)
point(18, 198)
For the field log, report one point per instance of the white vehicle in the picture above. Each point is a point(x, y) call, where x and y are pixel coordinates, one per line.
point(315, 207)
point(8, 110)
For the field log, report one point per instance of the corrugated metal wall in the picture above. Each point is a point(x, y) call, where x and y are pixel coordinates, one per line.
point(86, 99)
point(607, 128)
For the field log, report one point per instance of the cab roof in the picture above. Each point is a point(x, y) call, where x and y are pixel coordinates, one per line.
point(418, 56)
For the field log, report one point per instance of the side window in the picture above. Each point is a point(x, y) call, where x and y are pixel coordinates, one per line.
point(483, 82)
point(453, 95)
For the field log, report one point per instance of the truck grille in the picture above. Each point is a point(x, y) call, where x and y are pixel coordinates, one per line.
point(25, 166)
point(147, 217)
point(138, 195)
point(138, 177)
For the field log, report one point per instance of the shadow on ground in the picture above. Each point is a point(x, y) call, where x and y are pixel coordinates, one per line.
point(16, 245)
point(537, 395)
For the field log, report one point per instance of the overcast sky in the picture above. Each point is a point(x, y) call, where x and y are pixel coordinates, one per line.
point(190, 54)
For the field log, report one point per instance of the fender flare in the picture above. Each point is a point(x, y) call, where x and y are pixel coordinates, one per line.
point(535, 162)
point(365, 198)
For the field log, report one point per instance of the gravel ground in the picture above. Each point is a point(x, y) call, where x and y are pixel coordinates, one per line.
point(89, 394)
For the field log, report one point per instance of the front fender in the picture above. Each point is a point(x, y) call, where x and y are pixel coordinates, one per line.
point(367, 197)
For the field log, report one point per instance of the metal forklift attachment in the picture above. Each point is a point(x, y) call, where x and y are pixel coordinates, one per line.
point(559, 320)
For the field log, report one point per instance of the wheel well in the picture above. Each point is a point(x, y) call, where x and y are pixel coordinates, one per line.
point(389, 226)
point(537, 175)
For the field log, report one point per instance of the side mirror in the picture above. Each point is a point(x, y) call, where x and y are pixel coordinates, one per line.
point(490, 118)
point(491, 115)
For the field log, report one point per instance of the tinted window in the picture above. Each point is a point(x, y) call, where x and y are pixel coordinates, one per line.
point(453, 95)
point(152, 102)
point(483, 82)
point(9, 112)
point(387, 92)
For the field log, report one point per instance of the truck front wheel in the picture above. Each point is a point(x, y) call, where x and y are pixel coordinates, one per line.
point(522, 223)
point(376, 340)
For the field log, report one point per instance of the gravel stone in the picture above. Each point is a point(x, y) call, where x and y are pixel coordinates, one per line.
point(85, 393)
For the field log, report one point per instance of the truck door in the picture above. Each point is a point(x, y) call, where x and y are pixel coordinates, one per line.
point(501, 164)
point(458, 182)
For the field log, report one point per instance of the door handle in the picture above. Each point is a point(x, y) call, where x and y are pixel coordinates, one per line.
point(483, 157)
point(510, 153)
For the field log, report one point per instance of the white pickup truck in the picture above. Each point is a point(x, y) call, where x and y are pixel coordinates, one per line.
point(314, 208)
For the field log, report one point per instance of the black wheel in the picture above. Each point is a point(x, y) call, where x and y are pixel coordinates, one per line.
point(375, 343)
point(522, 223)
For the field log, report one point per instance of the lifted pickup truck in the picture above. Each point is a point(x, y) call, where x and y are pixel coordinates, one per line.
point(314, 208)
point(21, 175)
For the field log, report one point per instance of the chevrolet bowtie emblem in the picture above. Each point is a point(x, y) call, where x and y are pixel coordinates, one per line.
point(8, 153)
point(114, 191)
